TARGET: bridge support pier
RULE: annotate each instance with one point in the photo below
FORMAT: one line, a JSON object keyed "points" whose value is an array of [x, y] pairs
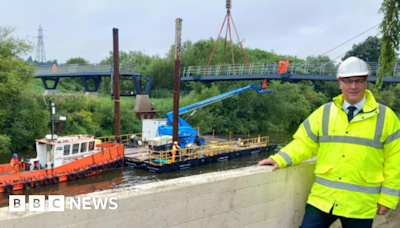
{"points": [[143, 107], [146, 115], [91, 94], [51, 92]]}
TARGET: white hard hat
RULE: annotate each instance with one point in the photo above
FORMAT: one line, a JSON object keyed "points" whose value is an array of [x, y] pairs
{"points": [[175, 142], [352, 67]]}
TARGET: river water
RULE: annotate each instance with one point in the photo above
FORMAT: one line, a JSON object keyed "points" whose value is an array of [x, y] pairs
{"points": [[123, 177]]}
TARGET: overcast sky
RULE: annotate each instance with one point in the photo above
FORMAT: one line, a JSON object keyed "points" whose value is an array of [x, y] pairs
{"points": [[83, 28]]}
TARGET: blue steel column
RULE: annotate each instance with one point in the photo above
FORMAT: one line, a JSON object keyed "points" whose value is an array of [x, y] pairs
{"points": [[138, 88], [44, 80], [85, 85], [96, 79], [148, 85]]}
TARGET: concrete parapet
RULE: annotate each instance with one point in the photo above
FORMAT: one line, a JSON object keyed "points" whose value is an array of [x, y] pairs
{"points": [[247, 197], [52, 92]]}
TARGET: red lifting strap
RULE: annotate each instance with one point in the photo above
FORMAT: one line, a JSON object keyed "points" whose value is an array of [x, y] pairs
{"points": [[229, 17]]}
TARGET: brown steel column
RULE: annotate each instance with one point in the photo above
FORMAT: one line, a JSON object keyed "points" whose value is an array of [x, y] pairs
{"points": [[178, 34], [117, 112]]}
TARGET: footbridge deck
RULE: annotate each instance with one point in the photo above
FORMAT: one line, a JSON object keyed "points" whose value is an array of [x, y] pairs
{"points": [[90, 74]]}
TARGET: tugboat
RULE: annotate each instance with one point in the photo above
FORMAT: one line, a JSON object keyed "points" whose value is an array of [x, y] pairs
{"points": [[61, 159]]}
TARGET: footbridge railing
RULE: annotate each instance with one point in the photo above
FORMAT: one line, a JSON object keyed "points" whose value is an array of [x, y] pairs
{"points": [[312, 68], [82, 68]]}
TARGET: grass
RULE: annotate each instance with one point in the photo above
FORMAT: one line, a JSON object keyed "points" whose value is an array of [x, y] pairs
{"points": [[36, 87]]}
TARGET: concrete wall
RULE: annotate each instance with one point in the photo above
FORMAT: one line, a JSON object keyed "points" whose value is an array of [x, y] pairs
{"points": [[246, 197]]}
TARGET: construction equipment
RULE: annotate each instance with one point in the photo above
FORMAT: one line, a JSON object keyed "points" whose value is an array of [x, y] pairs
{"points": [[135, 141], [186, 133]]}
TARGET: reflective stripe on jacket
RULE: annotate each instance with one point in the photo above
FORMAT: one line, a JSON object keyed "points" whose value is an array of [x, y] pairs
{"points": [[358, 163]]}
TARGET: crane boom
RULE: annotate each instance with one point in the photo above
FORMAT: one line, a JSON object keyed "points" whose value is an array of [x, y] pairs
{"points": [[186, 132], [217, 98]]}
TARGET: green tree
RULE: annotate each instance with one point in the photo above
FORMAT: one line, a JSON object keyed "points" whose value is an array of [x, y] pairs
{"points": [[15, 74], [21, 117], [368, 50], [77, 60], [135, 61], [75, 84], [87, 115], [390, 29], [36, 63]]}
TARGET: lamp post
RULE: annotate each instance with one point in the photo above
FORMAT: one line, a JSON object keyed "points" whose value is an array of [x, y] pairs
{"points": [[53, 112]]}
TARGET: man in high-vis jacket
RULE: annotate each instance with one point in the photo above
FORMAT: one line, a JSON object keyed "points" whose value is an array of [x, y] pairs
{"points": [[175, 147], [281, 67], [357, 144]]}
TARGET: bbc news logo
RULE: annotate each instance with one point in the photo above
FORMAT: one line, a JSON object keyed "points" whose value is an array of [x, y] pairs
{"points": [[57, 203]]}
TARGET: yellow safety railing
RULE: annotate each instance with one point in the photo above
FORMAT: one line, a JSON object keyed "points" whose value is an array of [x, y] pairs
{"points": [[124, 138], [209, 150]]}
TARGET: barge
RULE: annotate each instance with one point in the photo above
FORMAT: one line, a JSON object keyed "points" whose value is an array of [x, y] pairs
{"points": [[216, 150], [159, 156]]}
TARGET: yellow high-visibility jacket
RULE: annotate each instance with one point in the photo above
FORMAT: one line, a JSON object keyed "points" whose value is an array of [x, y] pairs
{"points": [[358, 163]]}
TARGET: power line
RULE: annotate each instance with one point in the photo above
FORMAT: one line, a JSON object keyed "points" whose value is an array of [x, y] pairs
{"points": [[350, 39], [365, 41], [342, 45]]}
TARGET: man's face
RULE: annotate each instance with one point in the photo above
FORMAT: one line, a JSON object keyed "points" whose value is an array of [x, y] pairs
{"points": [[353, 88]]}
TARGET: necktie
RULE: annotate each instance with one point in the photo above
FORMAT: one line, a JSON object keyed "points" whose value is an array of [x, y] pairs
{"points": [[350, 114]]}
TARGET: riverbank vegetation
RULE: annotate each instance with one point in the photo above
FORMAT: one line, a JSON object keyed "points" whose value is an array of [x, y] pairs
{"points": [[25, 113]]}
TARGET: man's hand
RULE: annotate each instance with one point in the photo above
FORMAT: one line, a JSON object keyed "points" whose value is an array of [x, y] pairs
{"points": [[269, 161], [382, 210]]}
